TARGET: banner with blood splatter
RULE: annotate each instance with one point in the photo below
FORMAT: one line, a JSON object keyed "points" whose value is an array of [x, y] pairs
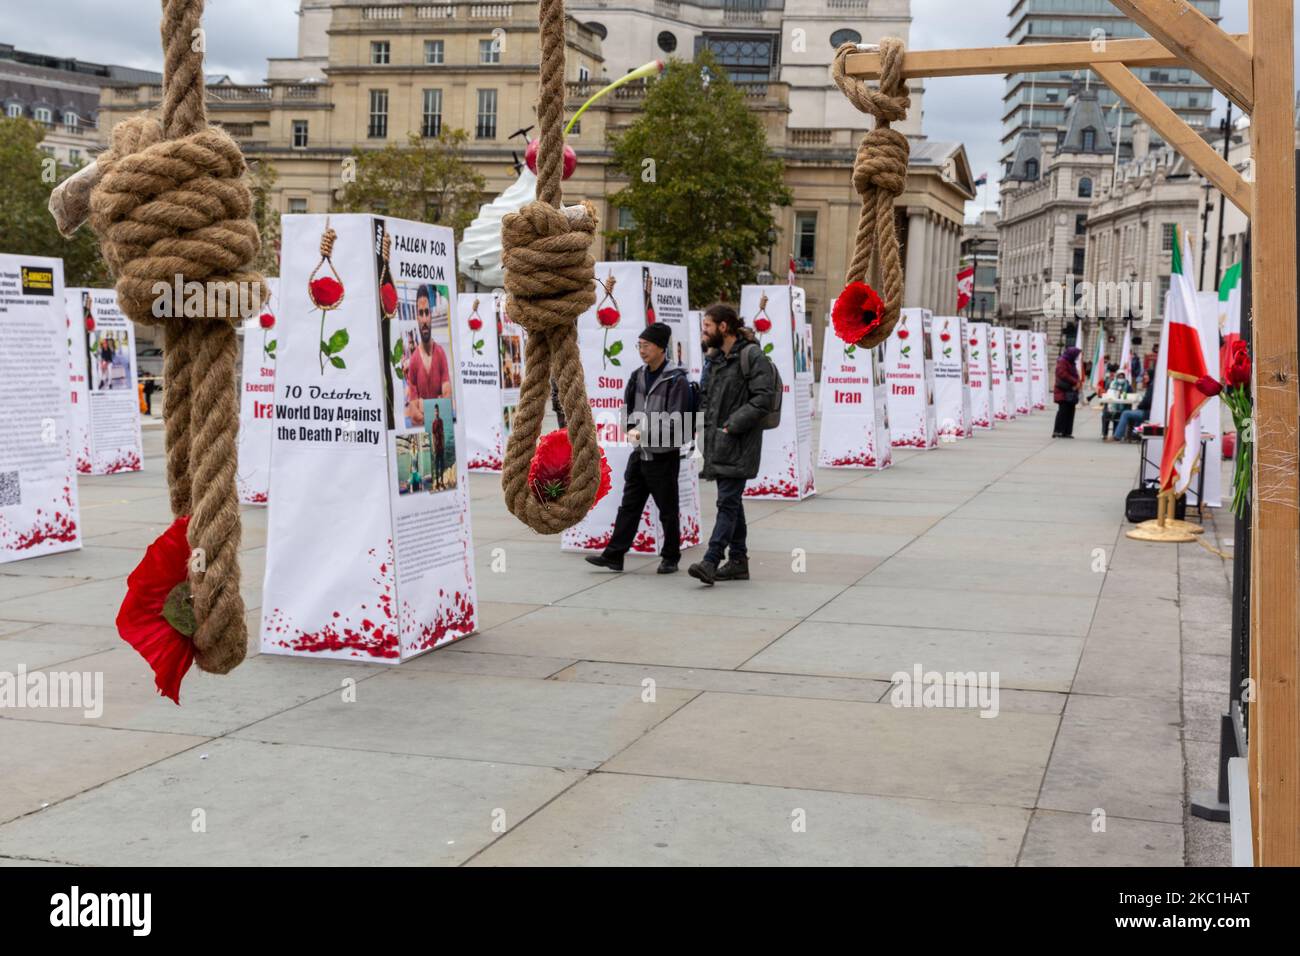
{"points": [[977, 363], [1038, 370], [1004, 408], [1020, 371], [39, 511], [770, 312], [950, 409], [963, 340], [257, 401], [369, 553], [106, 398], [630, 296], [474, 337], [909, 370], [854, 406]]}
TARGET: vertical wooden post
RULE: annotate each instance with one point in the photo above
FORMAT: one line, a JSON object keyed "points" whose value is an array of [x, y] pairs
{"points": [[1275, 538]]}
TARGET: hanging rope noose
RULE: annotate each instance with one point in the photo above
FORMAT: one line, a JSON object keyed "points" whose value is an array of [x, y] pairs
{"points": [[170, 205], [549, 282], [879, 176]]}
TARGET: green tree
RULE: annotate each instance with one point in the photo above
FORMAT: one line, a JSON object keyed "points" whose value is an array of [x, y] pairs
{"points": [[26, 226], [261, 182], [701, 181], [427, 180]]}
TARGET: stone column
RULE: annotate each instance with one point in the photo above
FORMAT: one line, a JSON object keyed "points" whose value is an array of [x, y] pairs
{"points": [[914, 267]]}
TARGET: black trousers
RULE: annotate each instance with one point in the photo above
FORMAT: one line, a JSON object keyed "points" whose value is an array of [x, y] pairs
{"points": [[1064, 418], [729, 530], [655, 478]]}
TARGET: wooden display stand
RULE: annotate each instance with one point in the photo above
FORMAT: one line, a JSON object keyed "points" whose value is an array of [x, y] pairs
{"points": [[1256, 71]]}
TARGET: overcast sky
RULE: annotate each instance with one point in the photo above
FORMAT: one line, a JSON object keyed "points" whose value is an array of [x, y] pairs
{"points": [[242, 34]]}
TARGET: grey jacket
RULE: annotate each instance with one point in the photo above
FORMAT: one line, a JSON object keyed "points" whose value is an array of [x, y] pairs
{"points": [[662, 412], [730, 400]]}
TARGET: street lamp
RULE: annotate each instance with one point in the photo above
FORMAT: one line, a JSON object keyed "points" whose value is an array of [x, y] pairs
{"points": [[474, 272]]}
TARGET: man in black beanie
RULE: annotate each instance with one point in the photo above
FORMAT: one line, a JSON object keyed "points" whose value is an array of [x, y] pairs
{"points": [[656, 404]]}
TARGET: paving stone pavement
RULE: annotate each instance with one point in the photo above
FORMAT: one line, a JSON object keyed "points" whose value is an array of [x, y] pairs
{"points": [[644, 720]]}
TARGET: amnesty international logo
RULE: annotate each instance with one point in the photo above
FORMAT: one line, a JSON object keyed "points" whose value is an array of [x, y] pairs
{"points": [[37, 281]]}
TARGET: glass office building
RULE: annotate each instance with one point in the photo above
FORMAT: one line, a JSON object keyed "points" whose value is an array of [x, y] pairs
{"points": [[1037, 100]]}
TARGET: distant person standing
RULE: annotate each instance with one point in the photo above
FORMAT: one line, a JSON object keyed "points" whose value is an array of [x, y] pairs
{"points": [[1066, 392], [439, 447]]}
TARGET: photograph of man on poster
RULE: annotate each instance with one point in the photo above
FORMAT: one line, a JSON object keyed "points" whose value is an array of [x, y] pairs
{"points": [[427, 372], [440, 429]]}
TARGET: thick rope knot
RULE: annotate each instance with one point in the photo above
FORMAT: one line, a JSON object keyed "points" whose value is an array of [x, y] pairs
{"points": [[548, 263], [176, 210], [879, 175]]}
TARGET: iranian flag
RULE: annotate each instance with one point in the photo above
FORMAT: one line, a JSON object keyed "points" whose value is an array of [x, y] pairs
{"points": [[1185, 367], [965, 287], [1099, 363], [1078, 344], [1229, 315], [1126, 353]]}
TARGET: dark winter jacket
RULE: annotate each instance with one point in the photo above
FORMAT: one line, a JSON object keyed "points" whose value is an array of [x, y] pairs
{"points": [[730, 401], [661, 413], [1067, 376]]}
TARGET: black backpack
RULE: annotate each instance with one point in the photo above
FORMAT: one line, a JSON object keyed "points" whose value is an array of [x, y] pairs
{"points": [[773, 417]]}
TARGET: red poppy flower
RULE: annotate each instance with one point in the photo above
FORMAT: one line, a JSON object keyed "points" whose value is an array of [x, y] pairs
{"points": [[266, 320], [1208, 386], [153, 596], [1239, 366], [608, 317], [90, 324], [762, 324], [857, 312], [548, 473], [325, 292]]}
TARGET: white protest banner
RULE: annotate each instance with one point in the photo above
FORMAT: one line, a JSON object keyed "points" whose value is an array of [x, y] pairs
{"points": [[629, 297], [803, 391], [1038, 370], [257, 401], [511, 342], [854, 399], [950, 399], [474, 341], [1020, 383], [39, 510], [369, 553], [909, 369], [981, 395], [1004, 408], [962, 337], [769, 312], [694, 346], [107, 403]]}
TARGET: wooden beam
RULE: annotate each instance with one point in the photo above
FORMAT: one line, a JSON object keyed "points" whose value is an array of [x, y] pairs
{"points": [[1177, 133], [1199, 41], [1275, 532], [1026, 58]]}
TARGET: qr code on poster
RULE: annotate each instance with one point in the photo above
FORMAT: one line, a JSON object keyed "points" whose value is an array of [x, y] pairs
{"points": [[10, 490]]}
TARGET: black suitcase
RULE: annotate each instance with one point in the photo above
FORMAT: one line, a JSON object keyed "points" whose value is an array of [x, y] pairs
{"points": [[1141, 505]]}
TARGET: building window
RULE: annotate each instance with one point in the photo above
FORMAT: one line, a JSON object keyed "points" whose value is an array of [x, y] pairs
{"points": [[431, 116], [1089, 139], [71, 122], [486, 127], [379, 52], [747, 58], [74, 155], [1031, 170], [1080, 224], [584, 74], [42, 114], [378, 115], [14, 110], [1168, 231], [299, 134], [1160, 299], [667, 41], [489, 51], [805, 241], [1085, 188], [840, 37], [297, 205], [433, 53], [1079, 261]]}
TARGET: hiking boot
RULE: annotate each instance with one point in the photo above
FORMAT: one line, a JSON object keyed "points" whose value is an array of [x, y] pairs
{"points": [[600, 561], [735, 569], [705, 571], [667, 567]]}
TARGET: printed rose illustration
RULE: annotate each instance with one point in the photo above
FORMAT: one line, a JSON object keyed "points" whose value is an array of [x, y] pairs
{"points": [[608, 316], [267, 321], [763, 324], [945, 337], [475, 324], [974, 352], [903, 334], [326, 293]]}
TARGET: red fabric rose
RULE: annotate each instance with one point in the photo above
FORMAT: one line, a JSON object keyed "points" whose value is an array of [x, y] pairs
{"points": [[857, 312], [1239, 365], [762, 324], [140, 620], [325, 292], [388, 298], [1208, 386], [266, 320], [548, 473], [607, 317], [475, 323]]}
